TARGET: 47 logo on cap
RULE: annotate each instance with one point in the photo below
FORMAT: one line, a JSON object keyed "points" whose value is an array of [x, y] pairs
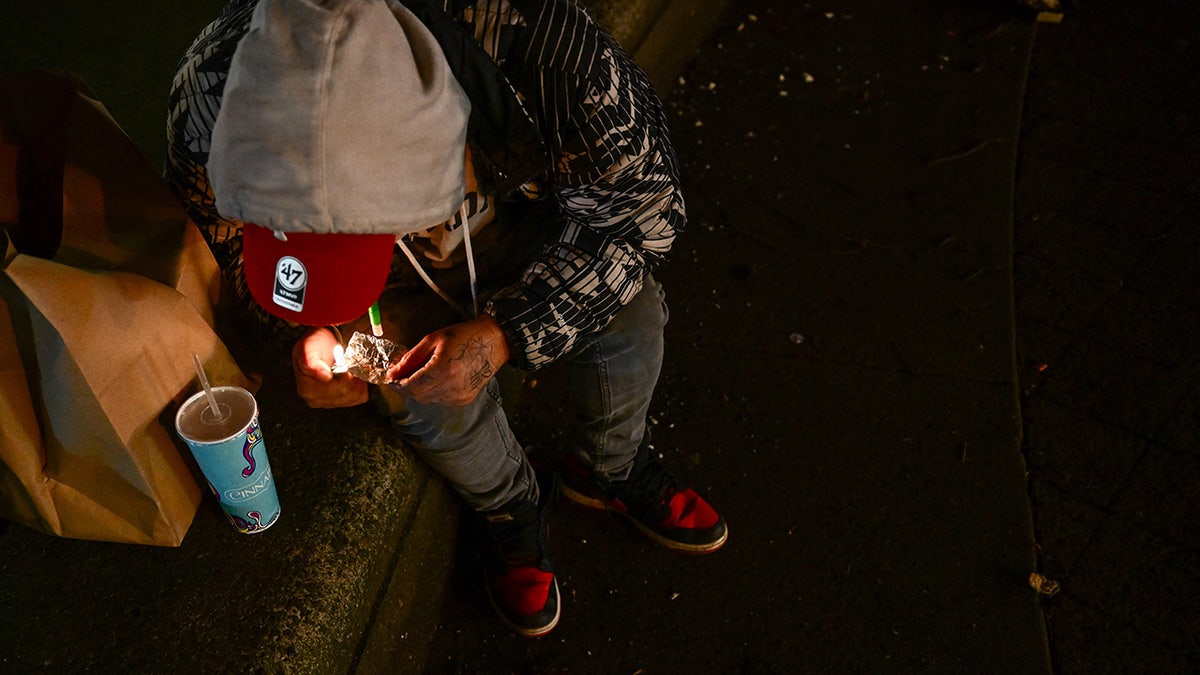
{"points": [[291, 278]]}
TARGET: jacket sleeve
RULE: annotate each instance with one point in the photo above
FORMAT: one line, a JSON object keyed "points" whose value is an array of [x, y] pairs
{"points": [[616, 183]]}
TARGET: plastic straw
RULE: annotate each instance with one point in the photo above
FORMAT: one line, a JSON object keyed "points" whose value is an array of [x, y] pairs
{"points": [[376, 320], [212, 399]]}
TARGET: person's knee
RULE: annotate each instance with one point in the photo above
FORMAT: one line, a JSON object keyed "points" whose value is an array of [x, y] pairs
{"points": [[446, 428]]}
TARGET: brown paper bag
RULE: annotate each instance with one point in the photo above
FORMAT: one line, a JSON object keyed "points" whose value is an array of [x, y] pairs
{"points": [[85, 196], [106, 290]]}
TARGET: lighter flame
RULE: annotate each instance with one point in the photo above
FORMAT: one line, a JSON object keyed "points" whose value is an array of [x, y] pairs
{"points": [[339, 359]]}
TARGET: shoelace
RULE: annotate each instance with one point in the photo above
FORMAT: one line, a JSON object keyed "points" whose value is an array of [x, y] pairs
{"points": [[520, 542], [648, 488]]}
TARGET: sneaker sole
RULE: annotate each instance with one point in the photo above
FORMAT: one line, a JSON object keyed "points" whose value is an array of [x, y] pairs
{"points": [[593, 503], [524, 630]]}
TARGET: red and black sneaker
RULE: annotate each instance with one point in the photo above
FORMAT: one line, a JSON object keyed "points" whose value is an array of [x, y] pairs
{"points": [[656, 502], [518, 575]]}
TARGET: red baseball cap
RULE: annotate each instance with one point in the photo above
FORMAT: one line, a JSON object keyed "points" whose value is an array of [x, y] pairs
{"points": [[316, 279]]}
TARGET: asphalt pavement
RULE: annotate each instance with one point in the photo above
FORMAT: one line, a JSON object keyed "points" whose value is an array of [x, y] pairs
{"points": [[1107, 267]]}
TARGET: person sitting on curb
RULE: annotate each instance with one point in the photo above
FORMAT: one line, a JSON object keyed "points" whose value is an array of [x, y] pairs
{"points": [[340, 153]]}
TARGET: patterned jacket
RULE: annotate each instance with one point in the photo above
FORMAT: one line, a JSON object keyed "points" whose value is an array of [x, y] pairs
{"points": [[555, 103]]}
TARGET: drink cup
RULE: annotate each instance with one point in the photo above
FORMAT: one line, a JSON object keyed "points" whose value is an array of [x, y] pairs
{"points": [[231, 453]]}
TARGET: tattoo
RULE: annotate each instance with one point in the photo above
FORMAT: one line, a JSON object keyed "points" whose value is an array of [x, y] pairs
{"points": [[476, 352]]}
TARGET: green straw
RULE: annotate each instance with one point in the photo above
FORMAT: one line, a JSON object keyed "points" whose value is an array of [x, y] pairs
{"points": [[376, 320]]}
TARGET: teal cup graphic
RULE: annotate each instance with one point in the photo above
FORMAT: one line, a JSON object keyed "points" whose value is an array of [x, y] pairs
{"points": [[231, 453]]}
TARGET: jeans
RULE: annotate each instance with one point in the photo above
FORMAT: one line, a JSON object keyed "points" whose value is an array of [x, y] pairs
{"points": [[612, 376]]}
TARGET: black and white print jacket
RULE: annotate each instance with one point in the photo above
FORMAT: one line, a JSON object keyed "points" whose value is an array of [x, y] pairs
{"points": [[555, 103]]}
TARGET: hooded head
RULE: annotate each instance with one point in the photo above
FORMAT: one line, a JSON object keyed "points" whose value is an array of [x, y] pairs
{"points": [[341, 127]]}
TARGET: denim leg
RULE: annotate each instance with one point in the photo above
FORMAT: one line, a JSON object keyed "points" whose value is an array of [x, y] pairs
{"points": [[471, 446], [612, 379]]}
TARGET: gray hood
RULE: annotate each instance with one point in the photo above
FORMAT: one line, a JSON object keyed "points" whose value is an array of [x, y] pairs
{"points": [[339, 116]]}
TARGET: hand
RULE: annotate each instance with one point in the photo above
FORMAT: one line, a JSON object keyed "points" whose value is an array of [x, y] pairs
{"points": [[452, 365], [312, 361]]}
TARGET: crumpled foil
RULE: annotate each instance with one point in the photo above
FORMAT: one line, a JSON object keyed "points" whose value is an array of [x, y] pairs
{"points": [[369, 357]]}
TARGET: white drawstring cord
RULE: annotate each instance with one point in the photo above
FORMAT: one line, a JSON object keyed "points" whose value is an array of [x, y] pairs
{"points": [[470, 269], [462, 214]]}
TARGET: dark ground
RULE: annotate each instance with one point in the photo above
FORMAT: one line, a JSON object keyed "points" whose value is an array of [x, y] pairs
{"points": [[1107, 261], [855, 544], [843, 379]]}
